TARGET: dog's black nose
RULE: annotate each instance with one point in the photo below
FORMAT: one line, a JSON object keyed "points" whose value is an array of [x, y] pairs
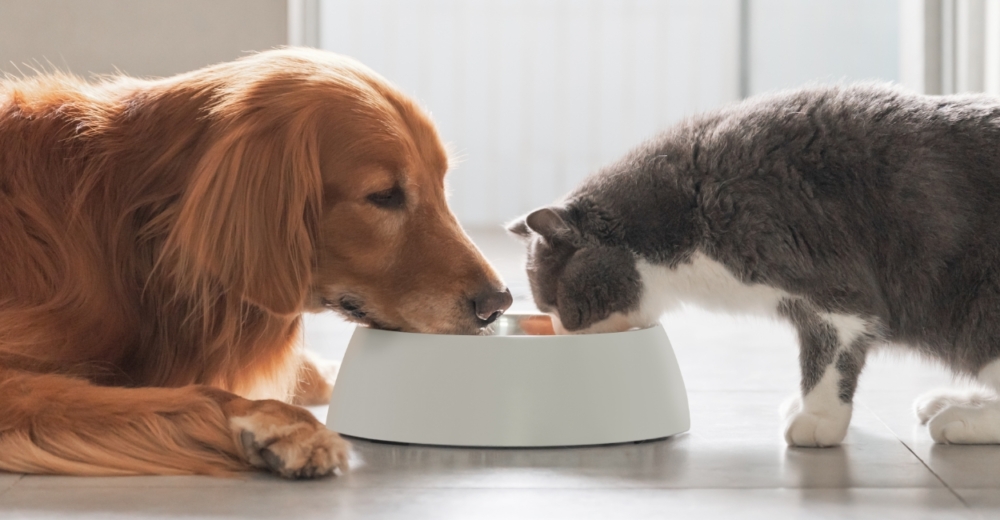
{"points": [[489, 305]]}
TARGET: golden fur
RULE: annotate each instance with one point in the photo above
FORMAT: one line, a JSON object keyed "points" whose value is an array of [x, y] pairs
{"points": [[159, 240]]}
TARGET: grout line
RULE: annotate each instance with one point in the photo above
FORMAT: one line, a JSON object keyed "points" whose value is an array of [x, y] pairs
{"points": [[918, 457]]}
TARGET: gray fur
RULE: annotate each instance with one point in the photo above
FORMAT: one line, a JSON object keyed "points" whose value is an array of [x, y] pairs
{"points": [[849, 365], [818, 343], [819, 347], [863, 200]]}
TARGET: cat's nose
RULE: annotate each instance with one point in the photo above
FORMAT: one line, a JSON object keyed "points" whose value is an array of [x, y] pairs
{"points": [[490, 304]]}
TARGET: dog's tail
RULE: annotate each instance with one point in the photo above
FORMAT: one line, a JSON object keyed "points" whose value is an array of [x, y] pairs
{"points": [[58, 424]]}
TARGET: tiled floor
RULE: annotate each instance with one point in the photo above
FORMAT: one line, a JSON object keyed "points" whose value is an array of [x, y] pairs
{"points": [[732, 464]]}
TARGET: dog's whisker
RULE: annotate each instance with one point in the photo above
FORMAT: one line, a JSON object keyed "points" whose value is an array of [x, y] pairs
{"points": [[488, 330]]}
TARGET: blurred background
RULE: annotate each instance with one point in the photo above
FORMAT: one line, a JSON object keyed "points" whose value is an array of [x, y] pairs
{"points": [[533, 95]]}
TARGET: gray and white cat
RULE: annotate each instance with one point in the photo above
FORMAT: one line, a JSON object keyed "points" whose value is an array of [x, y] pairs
{"points": [[864, 215]]}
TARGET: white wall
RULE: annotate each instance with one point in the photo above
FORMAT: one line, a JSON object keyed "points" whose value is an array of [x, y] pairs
{"points": [[535, 94], [532, 94], [793, 42], [139, 37]]}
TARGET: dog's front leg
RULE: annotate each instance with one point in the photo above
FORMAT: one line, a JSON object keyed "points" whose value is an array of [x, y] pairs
{"points": [[57, 424], [281, 438]]}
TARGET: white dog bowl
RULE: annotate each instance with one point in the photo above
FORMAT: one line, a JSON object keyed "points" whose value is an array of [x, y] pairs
{"points": [[509, 389]]}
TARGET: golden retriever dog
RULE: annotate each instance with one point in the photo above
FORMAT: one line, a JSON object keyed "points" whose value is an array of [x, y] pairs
{"points": [[160, 240]]}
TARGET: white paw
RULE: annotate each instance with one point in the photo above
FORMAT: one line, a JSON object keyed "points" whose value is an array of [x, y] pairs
{"points": [[288, 441], [815, 427], [931, 403], [977, 423]]}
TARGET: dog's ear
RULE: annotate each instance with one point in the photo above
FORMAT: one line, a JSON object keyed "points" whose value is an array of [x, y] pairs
{"points": [[248, 219]]}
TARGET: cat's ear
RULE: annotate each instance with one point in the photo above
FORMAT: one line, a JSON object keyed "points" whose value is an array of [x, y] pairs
{"points": [[519, 228], [549, 222]]}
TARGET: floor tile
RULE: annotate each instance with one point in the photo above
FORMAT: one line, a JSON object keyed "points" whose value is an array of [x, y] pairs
{"points": [[7, 480], [61, 482], [677, 463], [306, 500], [734, 442], [984, 501], [890, 384]]}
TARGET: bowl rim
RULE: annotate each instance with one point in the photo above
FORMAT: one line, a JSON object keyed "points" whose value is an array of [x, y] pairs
{"points": [[539, 337]]}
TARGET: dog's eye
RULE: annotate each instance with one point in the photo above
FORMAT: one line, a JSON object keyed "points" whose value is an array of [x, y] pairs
{"points": [[392, 198]]}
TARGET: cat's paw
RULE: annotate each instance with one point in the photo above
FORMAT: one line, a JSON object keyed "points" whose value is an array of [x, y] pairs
{"points": [[931, 403], [815, 427], [969, 423]]}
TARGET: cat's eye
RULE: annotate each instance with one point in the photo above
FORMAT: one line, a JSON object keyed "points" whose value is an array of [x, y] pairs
{"points": [[392, 198]]}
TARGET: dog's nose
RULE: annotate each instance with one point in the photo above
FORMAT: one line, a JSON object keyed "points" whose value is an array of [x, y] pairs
{"points": [[489, 305]]}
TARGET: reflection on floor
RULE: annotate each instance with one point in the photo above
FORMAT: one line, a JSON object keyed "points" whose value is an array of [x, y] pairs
{"points": [[732, 464]]}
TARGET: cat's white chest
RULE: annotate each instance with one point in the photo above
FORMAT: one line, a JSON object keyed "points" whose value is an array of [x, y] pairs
{"points": [[705, 283]]}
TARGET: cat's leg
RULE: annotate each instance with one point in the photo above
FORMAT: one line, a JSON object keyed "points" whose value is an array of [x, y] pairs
{"points": [[832, 349], [930, 404], [965, 417]]}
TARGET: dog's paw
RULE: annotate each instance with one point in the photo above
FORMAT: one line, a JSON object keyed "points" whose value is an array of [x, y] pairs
{"points": [[931, 403], [289, 441], [966, 423], [815, 428]]}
